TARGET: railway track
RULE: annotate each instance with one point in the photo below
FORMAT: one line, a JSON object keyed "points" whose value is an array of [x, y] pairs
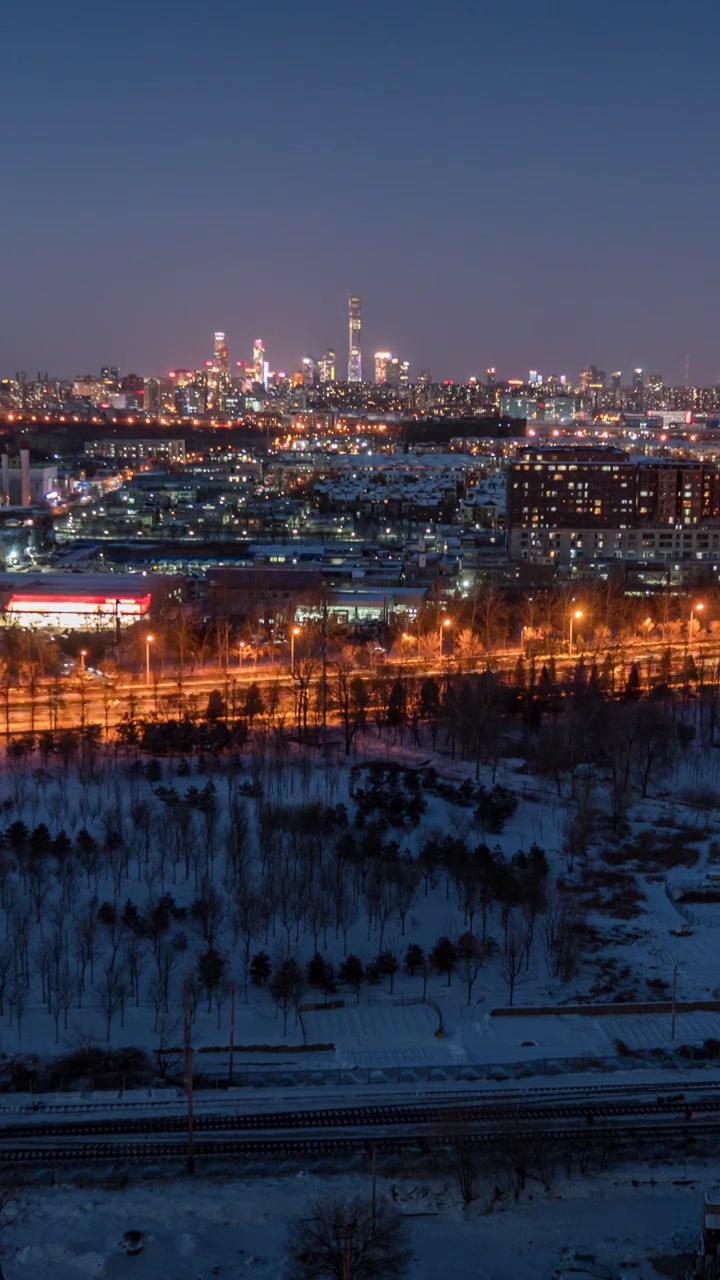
{"points": [[579, 1116], [309, 1148], [463, 1112]]}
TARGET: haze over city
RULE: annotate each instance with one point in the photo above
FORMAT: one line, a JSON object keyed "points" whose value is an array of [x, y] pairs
{"points": [[519, 185]]}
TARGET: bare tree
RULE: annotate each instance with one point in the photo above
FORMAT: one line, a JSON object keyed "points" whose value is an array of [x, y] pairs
{"points": [[562, 935], [286, 985], [465, 1169], [6, 965], [248, 918], [511, 960], [134, 956], [66, 991], [350, 696], [110, 995], [12, 1210], [470, 958], [348, 1239], [654, 741], [237, 839], [86, 930], [54, 1003], [317, 913], [167, 1051], [156, 995], [40, 883], [208, 912], [406, 879], [17, 1000]]}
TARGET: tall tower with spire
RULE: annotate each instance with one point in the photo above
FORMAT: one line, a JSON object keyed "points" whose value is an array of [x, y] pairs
{"points": [[354, 356]]}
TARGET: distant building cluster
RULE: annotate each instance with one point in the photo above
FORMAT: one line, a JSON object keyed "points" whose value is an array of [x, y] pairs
{"points": [[223, 390], [237, 481]]}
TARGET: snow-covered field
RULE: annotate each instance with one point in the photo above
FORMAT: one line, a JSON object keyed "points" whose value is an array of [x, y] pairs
{"points": [[282, 870], [266, 855], [625, 1219]]}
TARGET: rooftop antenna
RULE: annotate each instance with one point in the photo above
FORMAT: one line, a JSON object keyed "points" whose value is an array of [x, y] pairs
{"points": [[687, 371]]}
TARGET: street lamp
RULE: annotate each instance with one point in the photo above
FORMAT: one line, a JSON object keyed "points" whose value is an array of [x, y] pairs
{"points": [[148, 642], [83, 656], [695, 609], [577, 614], [445, 623], [295, 632]]}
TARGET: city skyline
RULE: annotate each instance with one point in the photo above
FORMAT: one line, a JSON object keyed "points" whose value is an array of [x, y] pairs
{"points": [[510, 191], [217, 348]]}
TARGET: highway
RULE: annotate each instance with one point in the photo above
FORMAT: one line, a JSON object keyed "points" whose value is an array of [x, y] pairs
{"points": [[77, 700]]}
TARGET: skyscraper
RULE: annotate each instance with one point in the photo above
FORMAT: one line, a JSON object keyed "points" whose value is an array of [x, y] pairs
{"points": [[354, 355], [310, 371], [592, 378], [327, 366], [222, 355], [381, 365], [258, 361], [394, 372]]}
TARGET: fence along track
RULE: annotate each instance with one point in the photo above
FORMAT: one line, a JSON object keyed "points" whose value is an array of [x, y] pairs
{"points": [[524, 1092]]}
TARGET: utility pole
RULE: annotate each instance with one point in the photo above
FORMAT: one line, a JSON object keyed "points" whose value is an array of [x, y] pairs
{"points": [[188, 1054], [324, 672], [347, 1253], [373, 1218], [232, 1032], [674, 995]]}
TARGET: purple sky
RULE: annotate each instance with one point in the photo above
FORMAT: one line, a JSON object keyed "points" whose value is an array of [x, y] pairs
{"points": [[529, 185]]}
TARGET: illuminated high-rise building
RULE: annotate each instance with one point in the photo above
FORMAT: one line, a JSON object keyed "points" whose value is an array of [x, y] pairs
{"points": [[310, 371], [616, 380], [354, 354], [424, 378], [151, 395], [189, 391], [222, 355], [491, 376], [592, 379], [638, 380], [217, 377], [327, 366], [258, 361], [397, 372], [382, 359]]}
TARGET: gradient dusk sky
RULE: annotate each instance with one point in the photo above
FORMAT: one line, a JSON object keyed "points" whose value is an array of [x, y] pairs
{"points": [[528, 185]]}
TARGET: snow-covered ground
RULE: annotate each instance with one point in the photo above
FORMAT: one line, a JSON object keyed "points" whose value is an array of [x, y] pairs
{"points": [[198, 1230], [384, 1043], [634, 952]]}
